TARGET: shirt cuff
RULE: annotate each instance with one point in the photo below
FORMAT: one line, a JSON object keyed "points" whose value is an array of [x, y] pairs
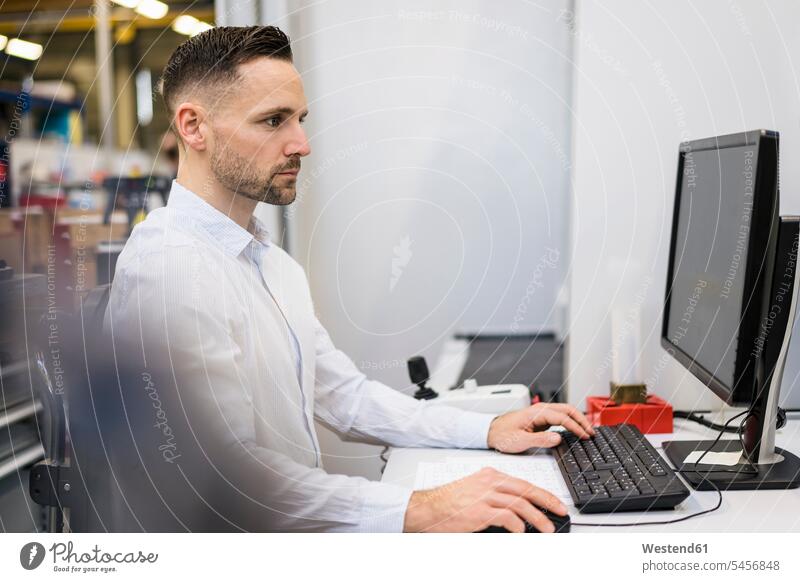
{"points": [[384, 507], [470, 430]]}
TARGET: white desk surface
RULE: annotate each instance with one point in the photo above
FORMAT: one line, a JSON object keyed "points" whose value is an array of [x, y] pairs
{"points": [[741, 511]]}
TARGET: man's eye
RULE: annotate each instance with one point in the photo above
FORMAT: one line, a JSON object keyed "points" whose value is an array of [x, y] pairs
{"points": [[274, 121]]}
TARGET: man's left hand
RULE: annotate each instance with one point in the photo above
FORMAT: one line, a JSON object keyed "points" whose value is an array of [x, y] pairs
{"points": [[520, 430]]}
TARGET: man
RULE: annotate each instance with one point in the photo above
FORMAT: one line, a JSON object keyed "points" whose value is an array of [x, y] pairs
{"points": [[234, 311]]}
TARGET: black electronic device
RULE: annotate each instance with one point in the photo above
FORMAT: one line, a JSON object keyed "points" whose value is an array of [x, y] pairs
{"points": [[730, 301], [560, 522], [617, 470], [419, 374]]}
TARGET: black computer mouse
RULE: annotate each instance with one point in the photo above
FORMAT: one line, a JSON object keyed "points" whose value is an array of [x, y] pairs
{"points": [[561, 523]]}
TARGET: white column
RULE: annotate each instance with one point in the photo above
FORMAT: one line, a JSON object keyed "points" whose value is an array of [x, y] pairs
{"points": [[105, 73]]}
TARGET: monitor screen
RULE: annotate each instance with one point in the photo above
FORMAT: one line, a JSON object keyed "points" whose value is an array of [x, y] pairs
{"points": [[712, 234]]}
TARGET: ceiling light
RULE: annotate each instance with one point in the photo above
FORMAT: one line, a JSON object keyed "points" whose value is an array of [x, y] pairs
{"points": [[185, 24], [152, 9], [189, 25], [3, 41], [24, 49]]}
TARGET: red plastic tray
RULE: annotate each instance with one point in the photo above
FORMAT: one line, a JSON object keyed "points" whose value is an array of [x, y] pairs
{"points": [[654, 416]]}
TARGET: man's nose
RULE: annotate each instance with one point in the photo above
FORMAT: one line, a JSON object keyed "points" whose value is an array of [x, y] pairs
{"points": [[298, 145]]}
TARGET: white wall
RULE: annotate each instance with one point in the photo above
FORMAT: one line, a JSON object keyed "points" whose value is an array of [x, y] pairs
{"points": [[647, 75], [439, 175]]}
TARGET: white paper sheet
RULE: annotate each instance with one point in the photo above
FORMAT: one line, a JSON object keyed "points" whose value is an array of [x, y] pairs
{"points": [[541, 470], [715, 458]]}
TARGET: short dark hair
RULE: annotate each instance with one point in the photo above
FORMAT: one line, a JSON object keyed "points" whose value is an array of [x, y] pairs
{"points": [[214, 55]]}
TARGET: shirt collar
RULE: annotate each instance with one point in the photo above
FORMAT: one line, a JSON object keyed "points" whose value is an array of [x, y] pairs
{"points": [[233, 238]]}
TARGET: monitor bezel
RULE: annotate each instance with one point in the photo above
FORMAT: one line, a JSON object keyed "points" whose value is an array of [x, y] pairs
{"points": [[761, 244]]}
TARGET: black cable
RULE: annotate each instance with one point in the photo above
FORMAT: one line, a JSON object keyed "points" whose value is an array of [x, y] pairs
{"points": [[723, 429], [383, 458], [754, 470], [697, 416], [700, 419]]}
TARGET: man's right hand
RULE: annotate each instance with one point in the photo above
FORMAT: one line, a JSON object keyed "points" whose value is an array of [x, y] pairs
{"points": [[485, 498]]}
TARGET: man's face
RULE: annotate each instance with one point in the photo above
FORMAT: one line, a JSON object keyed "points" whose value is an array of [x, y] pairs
{"points": [[257, 138]]}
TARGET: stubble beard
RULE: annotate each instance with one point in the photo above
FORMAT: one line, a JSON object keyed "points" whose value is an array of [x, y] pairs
{"points": [[241, 176]]}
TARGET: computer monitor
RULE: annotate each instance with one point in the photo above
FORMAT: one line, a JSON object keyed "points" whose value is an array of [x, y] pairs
{"points": [[730, 301]]}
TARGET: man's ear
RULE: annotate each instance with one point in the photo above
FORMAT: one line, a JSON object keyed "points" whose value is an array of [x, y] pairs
{"points": [[190, 124]]}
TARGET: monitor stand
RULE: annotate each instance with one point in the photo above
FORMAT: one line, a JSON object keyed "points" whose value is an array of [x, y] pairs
{"points": [[782, 471], [777, 468]]}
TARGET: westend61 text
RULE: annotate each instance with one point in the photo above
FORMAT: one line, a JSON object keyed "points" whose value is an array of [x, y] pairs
{"points": [[674, 549]]}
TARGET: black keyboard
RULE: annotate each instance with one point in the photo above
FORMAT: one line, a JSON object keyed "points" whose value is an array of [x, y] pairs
{"points": [[617, 470]]}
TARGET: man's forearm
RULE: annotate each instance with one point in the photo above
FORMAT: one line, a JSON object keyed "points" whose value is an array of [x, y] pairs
{"points": [[395, 419]]}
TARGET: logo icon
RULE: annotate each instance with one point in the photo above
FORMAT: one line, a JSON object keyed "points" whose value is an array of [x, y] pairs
{"points": [[31, 555]]}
